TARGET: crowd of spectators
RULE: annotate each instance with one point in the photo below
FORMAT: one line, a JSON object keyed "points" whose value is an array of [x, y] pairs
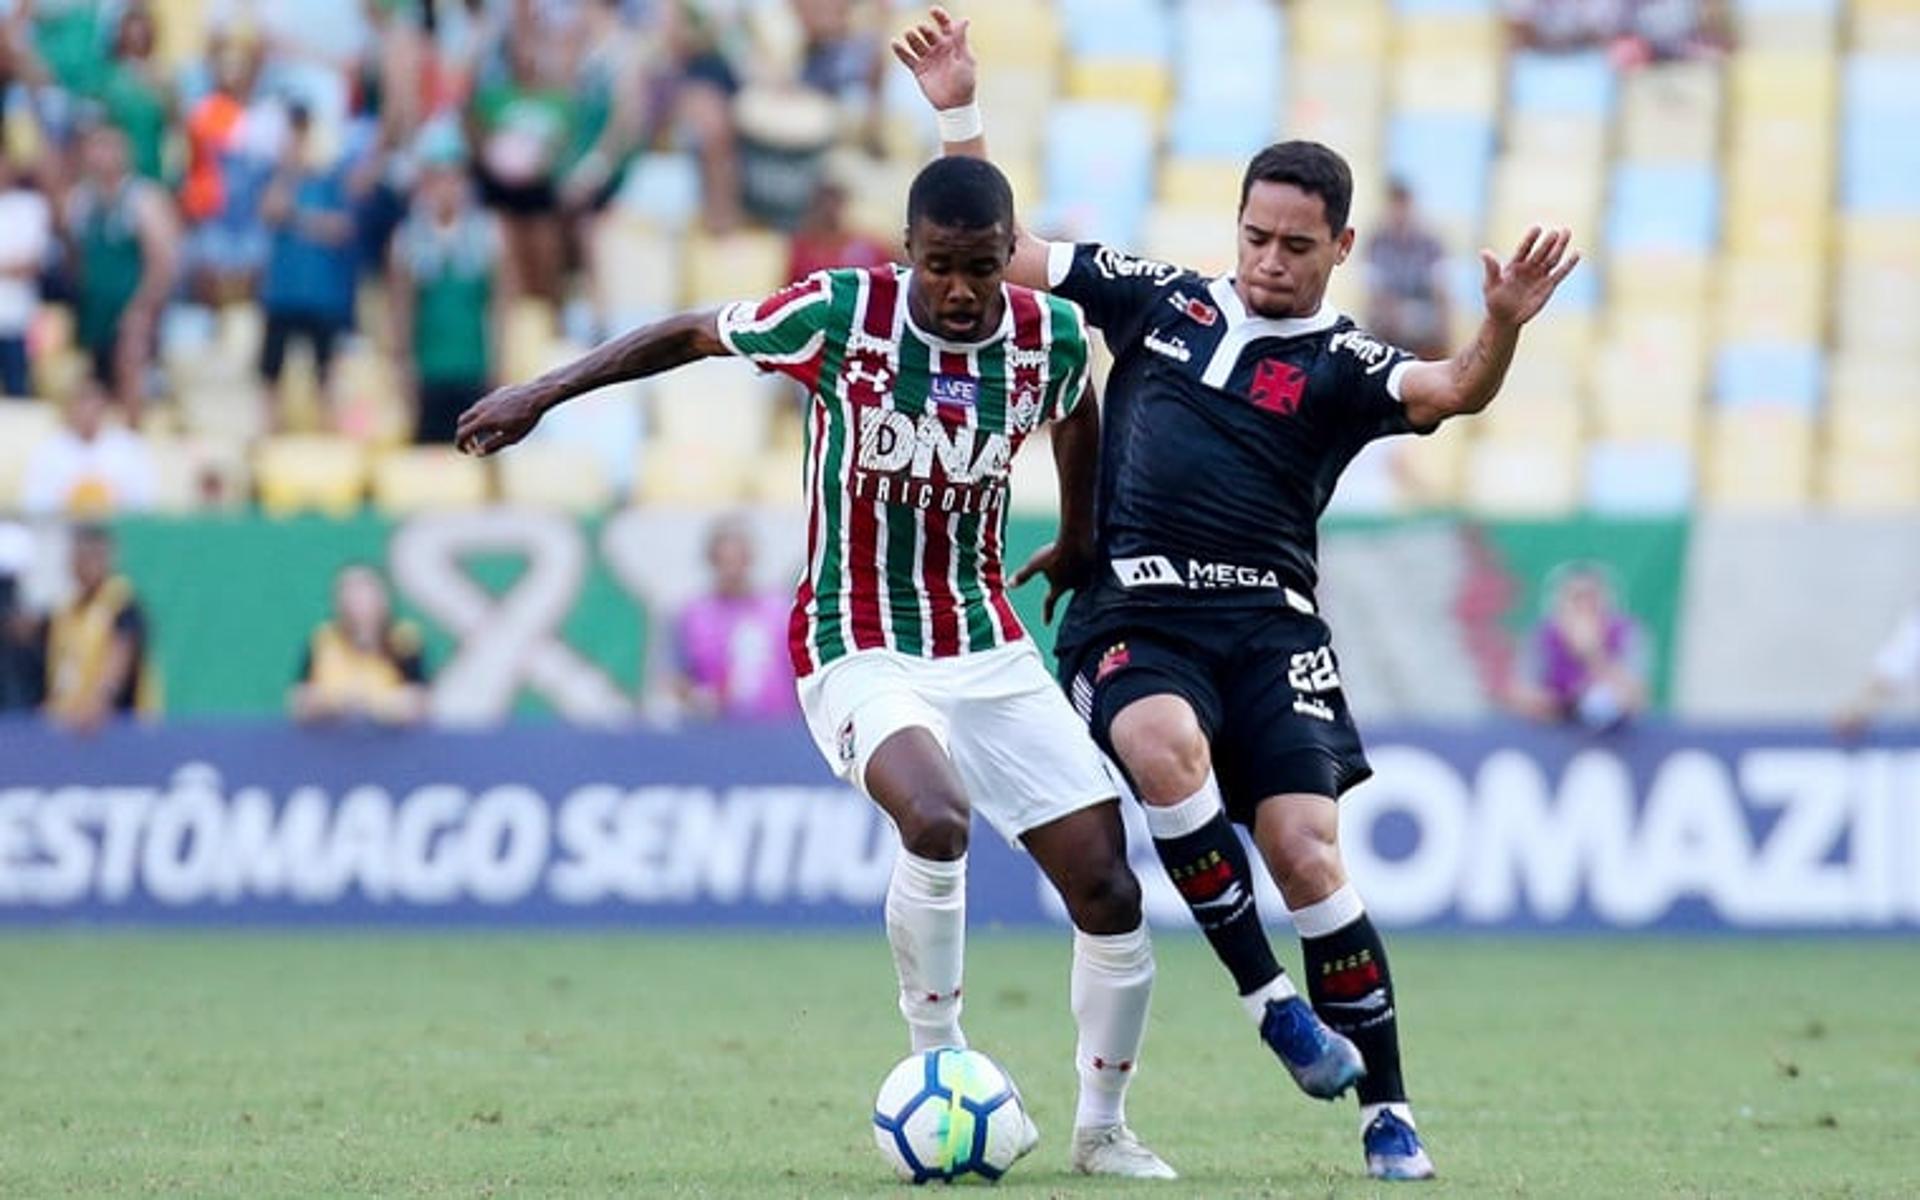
{"points": [[1633, 31], [389, 173]]}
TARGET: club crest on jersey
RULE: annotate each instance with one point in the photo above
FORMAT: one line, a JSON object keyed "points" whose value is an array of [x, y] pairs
{"points": [[955, 391], [1199, 312], [1115, 658], [847, 751], [1278, 387], [1025, 407]]}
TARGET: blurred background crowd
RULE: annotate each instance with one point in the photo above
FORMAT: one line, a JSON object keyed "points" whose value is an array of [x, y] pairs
{"points": [[257, 255]]}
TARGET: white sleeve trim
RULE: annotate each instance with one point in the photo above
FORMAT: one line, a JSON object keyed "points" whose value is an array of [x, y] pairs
{"points": [[1059, 262], [725, 324], [1396, 376]]}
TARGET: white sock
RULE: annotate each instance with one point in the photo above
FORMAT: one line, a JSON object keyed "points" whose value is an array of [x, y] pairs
{"points": [[927, 928], [1399, 1108], [1112, 988], [1166, 821], [1331, 915], [1255, 1002]]}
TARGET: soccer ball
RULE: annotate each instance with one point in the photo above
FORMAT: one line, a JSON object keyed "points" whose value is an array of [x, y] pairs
{"points": [[949, 1114]]}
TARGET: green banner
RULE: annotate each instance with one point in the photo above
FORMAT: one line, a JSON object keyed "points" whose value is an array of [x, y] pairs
{"points": [[532, 614]]}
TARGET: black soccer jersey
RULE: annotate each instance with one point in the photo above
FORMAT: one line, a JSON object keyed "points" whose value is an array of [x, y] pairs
{"points": [[1224, 432]]}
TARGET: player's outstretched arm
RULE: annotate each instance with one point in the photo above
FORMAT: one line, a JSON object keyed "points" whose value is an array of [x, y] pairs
{"points": [[508, 414], [1515, 292], [942, 63]]}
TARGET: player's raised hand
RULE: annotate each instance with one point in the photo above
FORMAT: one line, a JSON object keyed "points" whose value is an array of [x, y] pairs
{"points": [[1067, 569], [502, 418], [1517, 290], [937, 53]]}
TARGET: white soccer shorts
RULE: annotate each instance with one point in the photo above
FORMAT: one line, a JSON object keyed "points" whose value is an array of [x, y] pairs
{"points": [[1022, 753]]}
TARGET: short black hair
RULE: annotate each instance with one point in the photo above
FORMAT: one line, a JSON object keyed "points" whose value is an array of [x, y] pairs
{"points": [[964, 193], [1312, 168]]}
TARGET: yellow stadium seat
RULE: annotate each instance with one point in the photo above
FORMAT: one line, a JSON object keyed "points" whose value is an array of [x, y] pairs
{"points": [[722, 403], [1344, 29], [1639, 283], [1200, 182], [1770, 299], [1516, 477], [180, 29], [551, 475], [1755, 227], [23, 424], [1431, 468], [531, 326], [1339, 102], [1670, 113], [1759, 459], [1550, 140], [777, 476], [1784, 29], [198, 472], [1885, 26], [1446, 35], [310, 472], [1894, 240], [1856, 379], [428, 479], [702, 476], [1544, 407], [1877, 309], [1800, 84], [639, 266], [367, 404], [736, 266], [1016, 93], [1198, 237], [1017, 35], [1872, 458], [1145, 85], [1447, 83], [1527, 193]]}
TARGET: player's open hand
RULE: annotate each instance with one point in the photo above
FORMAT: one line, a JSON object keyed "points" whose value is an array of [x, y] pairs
{"points": [[1067, 568], [937, 53], [502, 418], [1516, 291]]}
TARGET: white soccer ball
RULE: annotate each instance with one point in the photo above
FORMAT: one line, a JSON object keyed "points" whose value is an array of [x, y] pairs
{"points": [[949, 1114]]}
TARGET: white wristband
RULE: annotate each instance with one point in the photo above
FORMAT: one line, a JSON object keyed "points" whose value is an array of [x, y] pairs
{"points": [[961, 124]]}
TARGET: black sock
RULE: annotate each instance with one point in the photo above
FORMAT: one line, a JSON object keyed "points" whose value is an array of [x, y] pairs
{"points": [[1352, 991], [1209, 867]]}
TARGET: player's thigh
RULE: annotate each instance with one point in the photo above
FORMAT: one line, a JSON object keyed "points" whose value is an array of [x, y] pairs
{"points": [[855, 705], [1023, 754], [1288, 730], [1131, 672]]}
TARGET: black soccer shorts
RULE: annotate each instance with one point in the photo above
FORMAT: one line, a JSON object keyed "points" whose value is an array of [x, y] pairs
{"points": [[1264, 684]]}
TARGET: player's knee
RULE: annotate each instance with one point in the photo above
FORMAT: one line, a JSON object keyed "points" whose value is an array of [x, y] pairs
{"points": [[1106, 901], [1306, 862], [1163, 749], [934, 824]]}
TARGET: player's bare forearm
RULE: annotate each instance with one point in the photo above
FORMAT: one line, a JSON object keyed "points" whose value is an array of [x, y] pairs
{"points": [[509, 414], [1480, 368], [648, 350], [1076, 456]]}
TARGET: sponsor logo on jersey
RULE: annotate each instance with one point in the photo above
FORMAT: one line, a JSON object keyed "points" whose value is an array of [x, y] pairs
{"points": [[1197, 311], [869, 372], [1376, 354], [899, 457], [1115, 265], [1115, 658], [958, 391], [1157, 570], [1152, 570], [1020, 359], [1208, 576], [1278, 387], [1172, 348]]}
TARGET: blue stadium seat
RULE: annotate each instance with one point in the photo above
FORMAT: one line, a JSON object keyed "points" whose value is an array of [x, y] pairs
{"points": [[1446, 158], [1663, 208], [1629, 479], [1099, 171], [1577, 85], [1231, 70], [1774, 374], [1134, 29], [1880, 169]]}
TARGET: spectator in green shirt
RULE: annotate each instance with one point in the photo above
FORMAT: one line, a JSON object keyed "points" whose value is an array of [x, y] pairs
{"points": [[451, 284]]}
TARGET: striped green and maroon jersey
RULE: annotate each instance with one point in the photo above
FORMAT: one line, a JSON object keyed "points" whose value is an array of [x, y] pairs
{"points": [[909, 438]]}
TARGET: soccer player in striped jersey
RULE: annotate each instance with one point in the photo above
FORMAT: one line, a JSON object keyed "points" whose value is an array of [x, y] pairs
{"points": [[1192, 643], [917, 680]]}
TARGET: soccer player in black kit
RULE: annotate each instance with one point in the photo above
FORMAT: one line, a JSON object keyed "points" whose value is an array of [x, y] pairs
{"points": [[1192, 644]]}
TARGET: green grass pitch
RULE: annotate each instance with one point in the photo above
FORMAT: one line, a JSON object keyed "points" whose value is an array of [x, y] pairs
{"points": [[255, 1065]]}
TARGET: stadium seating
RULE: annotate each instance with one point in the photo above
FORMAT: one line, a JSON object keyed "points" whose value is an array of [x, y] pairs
{"points": [[310, 473], [23, 423], [428, 479], [555, 475]]}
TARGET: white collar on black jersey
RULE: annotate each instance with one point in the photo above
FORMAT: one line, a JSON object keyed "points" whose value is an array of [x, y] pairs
{"points": [[1003, 332], [1228, 298]]}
